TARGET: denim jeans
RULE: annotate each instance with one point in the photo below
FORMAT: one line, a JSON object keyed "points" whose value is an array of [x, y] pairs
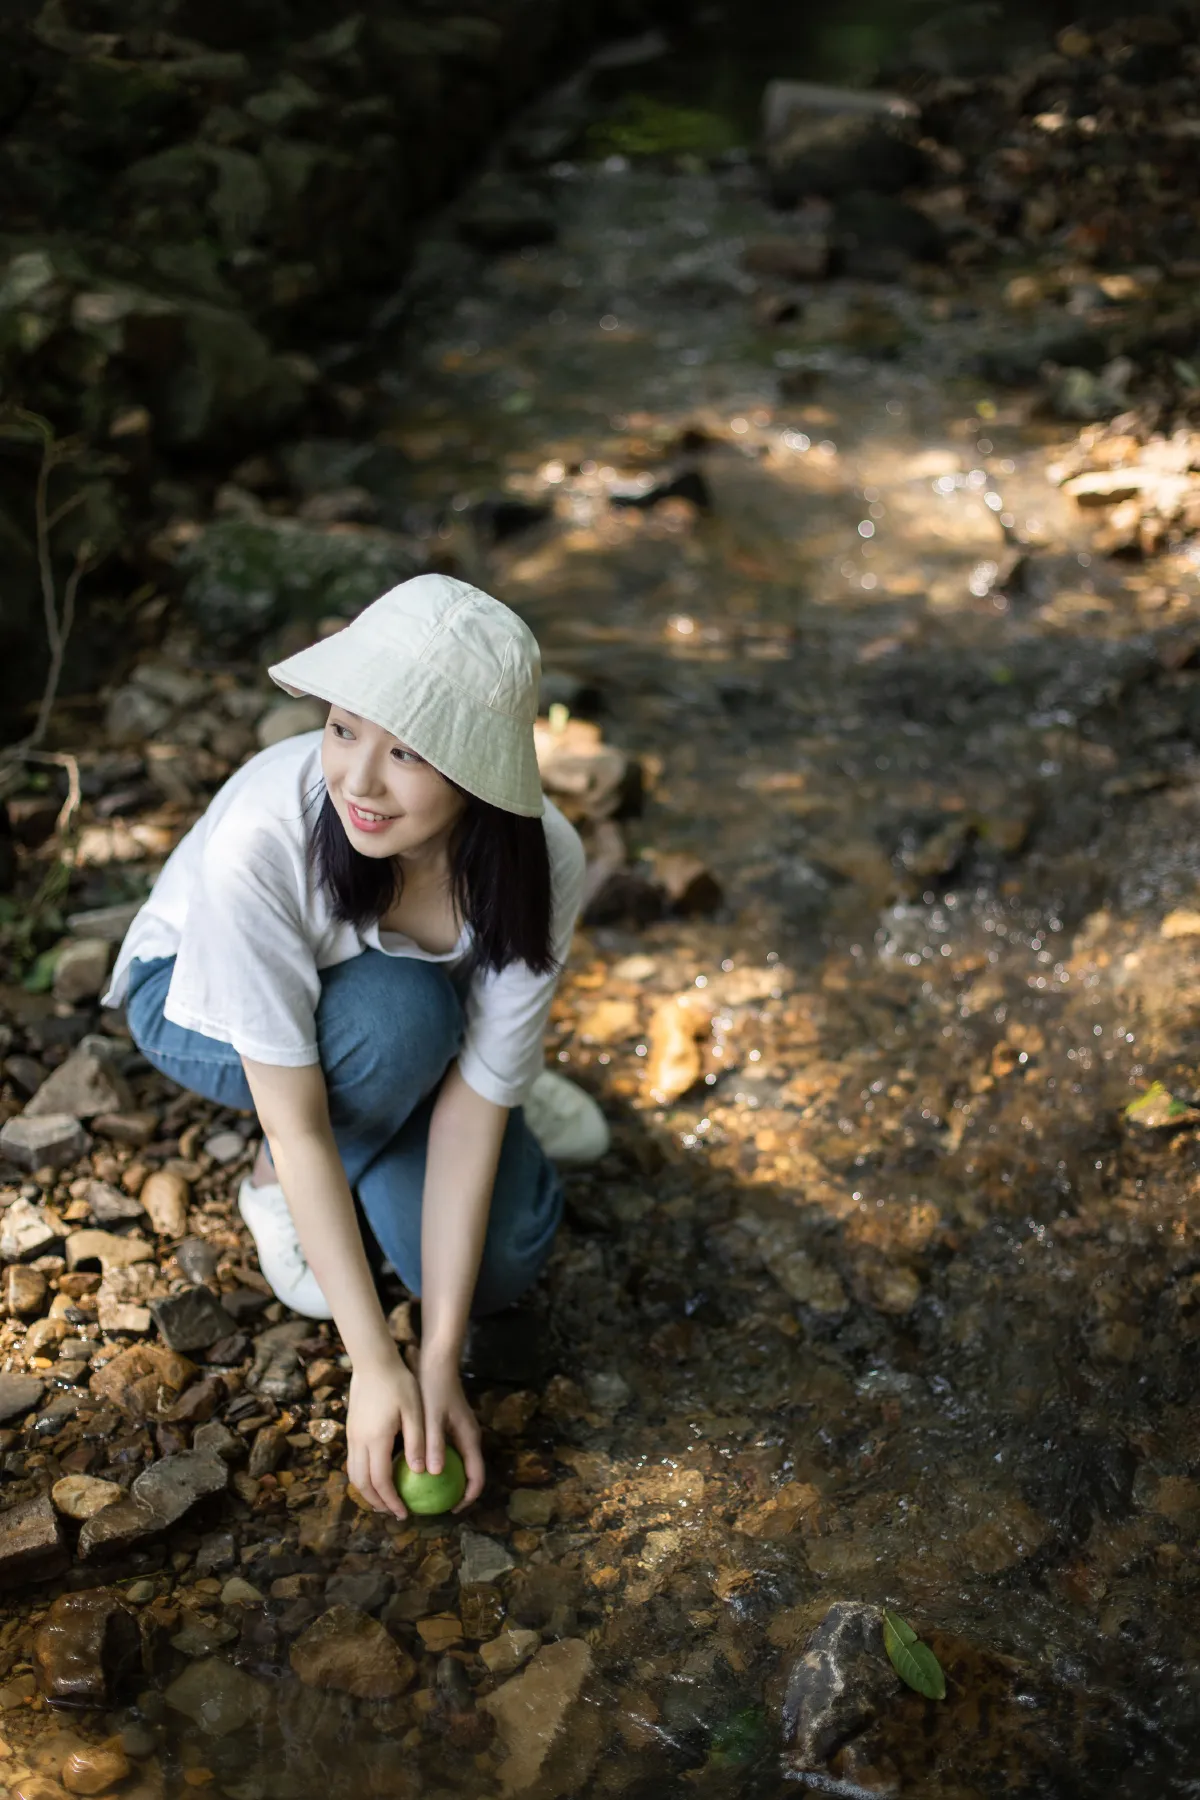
{"points": [[388, 1028]]}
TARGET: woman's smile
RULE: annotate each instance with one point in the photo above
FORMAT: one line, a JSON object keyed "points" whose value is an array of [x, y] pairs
{"points": [[364, 820]]}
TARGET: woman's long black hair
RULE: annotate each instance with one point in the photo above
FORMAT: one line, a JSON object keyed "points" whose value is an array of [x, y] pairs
{"points": [[499, 881]]}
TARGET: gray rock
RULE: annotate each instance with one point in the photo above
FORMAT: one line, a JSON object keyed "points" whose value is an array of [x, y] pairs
{"points": [[89, 1082], [217, 1553], [25, 1231], [32, 1546], [835, 141], [217, 1697], [111, 1206], [107, 922], [45, 1140], [366, 1591], [160, 1495], [225, 1146], [215, 1439], [196, 1259], [483, 1559], [277, 1373], [192, 1320], [81, 970], [607, 1389], [838, 1686], [290, 718], [19, 1394]]}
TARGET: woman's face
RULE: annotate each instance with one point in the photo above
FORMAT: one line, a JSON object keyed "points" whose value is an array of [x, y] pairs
{"points": [[390, 801]]}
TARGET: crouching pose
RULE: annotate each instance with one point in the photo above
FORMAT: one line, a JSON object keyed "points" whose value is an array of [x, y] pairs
{"points": [[360, 940]]}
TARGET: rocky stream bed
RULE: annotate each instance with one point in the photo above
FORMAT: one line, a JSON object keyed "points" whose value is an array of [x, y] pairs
{"points": [[850, 480]]}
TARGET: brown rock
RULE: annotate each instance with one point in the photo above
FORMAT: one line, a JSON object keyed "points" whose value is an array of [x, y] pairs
{"points": [[107, 1249], [353, 1653], [25, 1291], [482, 1611], [31, 1542], [531, 1710], [92, 1770], [689, 884], [673, 1061], [144, 1381], [440, 1633], [165, 1196], [505, 1654], [159, 1496], [79, 1496]]}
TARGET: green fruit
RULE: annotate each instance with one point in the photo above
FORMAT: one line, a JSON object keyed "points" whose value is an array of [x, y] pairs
{"points": [[426, 1493]]}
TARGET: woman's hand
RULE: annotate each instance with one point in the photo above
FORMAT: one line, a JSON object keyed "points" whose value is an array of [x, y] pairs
{"points": [[385, 1403], [447, 1415]]}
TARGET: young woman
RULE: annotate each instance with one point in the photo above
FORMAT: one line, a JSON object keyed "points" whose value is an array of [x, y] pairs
{"points": [[360, 940]]}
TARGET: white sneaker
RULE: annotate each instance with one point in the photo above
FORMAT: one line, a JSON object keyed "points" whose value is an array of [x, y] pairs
{"points": [[280, 1257], [566, 1122]]}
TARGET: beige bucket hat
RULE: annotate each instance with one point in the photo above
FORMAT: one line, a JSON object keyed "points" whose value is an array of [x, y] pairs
{"points": [[448, 670]]}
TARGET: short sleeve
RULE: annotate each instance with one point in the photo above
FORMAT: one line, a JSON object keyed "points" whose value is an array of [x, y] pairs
{"points": [[245, 972], [506, 1012]]}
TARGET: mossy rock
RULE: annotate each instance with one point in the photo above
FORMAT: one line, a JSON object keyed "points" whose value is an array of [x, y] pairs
{"points": [[247, 576], [644, 127]]}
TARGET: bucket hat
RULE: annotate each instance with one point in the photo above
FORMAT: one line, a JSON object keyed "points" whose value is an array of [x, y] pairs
{"points": [[447, 669]]}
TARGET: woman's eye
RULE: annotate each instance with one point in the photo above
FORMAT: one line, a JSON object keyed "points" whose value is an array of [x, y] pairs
{"points": [[408, 756], [340, 731]]}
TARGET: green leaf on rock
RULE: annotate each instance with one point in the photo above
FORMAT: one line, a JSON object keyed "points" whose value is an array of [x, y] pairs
{"points": [[913, 1661], [1157, 1107]]}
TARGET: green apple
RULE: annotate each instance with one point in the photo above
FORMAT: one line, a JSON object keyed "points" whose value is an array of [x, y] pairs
{"points": [[426, 1493]]}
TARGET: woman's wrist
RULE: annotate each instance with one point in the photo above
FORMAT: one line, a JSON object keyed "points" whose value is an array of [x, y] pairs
{"points": [[442, 1348]]}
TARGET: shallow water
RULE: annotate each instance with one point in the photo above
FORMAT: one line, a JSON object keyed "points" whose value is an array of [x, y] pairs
{"points": [[902, 1310]]}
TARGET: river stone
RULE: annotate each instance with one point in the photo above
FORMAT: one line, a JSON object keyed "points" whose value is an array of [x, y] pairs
{"points": [[838, 1686], [277, 1373], [81, 970], [111, 1205], [217, 1697], [95, 1768], [197, 1260], [47, 1140], [107, 922], [217, 1551], [25, 1291], [505, 1654], [107, 1248], [483, 1559], [348, 1650], [88, 1083], [19, 1394], [87, 1651], [191, 1320], [143, 1381], [32, 1547], [25, 1231], [531, 1710], [165, 1196], [79, 1496], [159, 1496], [364, 1591]]}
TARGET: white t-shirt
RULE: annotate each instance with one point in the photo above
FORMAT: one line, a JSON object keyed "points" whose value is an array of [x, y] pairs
{"points": [[250, 929]]}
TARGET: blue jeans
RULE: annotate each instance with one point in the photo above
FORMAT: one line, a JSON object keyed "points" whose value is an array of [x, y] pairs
{"points": [[388, 1028]]}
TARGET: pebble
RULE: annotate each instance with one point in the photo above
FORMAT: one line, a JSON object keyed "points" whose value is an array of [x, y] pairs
{"points": [[505, 1654], [197, 1260], [192, 1320], [531, 1507], [217, 1696], [607, 1389], [238, 1592], [93, 1770], [88, 1648], [109, 1206], [140, 1591], [25, 1291], [19, 1394], [483, 1558], [81, 973], [87, 1083], [25, 1231], [165, 1196], [326, 1431], [31, 1541], [225, 1146], [107, 1248], [79, 1496]]}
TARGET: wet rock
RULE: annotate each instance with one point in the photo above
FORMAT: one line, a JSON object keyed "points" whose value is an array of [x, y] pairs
{"points": [[217, 1697], [19, 1394], [839, 1686], [47, 1141], [26, 1231], [505, 1654], [110, 1206], [217, 1550], [81, 970], [691, 888], [95, 1768], [159, 1496], [25, 1291], [79, 1496], [801, 258], [607, 1389], [237, 1592], [363, 1592], [89, 1082], [277, 1373], [440, 1633], [165, 1196], [88, 1649], [531, 1507], [780, 1244], [483, 1558], [833, 141], [531, 1710], [197, 1403], [197, 1260], [499, 220], [673, 1062], [32, 1547], [216, 1439], [106, 1250], [354, 1654], [144, 1381], [191, 1320]]}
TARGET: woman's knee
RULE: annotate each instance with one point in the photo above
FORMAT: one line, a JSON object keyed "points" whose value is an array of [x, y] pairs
{"points": [[386, 1025]]}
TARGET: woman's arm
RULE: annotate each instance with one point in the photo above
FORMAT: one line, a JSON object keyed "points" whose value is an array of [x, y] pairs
{"points": [[293, 1108], [465, 1134]]}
